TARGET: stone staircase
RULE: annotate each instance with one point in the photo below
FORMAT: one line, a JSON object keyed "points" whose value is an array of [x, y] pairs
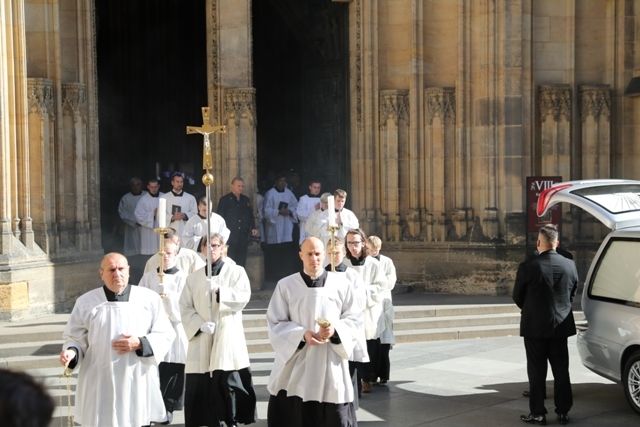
{"points": [[34, 345]]}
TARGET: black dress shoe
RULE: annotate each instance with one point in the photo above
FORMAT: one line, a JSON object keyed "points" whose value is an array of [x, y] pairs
{"points": [[534, 419], [563, 419]]}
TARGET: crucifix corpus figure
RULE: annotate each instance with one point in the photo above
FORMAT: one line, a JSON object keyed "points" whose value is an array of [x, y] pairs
{"points": [[207, 164]]}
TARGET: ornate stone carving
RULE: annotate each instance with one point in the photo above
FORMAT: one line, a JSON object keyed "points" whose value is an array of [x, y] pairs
{"points": [[595, 100], [555, 100], [40, 96], [74, 98], [441, 102], [240, 103], [394, 105]]}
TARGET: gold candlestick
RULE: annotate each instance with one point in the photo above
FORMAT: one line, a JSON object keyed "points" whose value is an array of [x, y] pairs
{"points": [[161, 232], [332, 232]]}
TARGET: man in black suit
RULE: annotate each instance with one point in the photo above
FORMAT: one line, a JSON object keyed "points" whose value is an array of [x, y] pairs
{"points": [[544, 290]]}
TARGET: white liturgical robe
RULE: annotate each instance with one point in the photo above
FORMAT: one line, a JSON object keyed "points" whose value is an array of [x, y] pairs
{"points": [[226, 349], [170, 290], [184, 203], [195, 228], [187, 260], [313, 373], [306, 206], [389, 272], [126, 210], [118, 389], [145, 214], [377, 289], [279, 228]]}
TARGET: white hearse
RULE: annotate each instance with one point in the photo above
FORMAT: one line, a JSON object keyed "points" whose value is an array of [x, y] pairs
{"points": [[609, 343]]}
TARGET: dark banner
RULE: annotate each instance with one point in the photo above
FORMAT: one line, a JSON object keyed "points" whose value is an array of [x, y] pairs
{"points": [[535, 186]]}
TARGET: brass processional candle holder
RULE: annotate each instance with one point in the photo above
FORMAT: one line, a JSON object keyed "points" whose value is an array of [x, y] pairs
{"points": [[162, 231], [332, 242], [207, 165], [333, 227]]}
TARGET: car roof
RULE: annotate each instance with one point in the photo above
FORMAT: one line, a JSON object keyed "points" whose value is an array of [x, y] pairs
{"points": [[614, 202]]}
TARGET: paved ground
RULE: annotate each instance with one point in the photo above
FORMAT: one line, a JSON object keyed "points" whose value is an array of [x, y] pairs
{"points": [[468, 383]]}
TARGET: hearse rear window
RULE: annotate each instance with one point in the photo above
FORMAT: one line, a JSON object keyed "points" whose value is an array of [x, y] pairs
{"points": [[614, 198], [618, 274]]}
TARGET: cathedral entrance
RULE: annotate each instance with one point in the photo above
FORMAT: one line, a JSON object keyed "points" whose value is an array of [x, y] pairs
{"points": [[300, 72], [152, 80]]}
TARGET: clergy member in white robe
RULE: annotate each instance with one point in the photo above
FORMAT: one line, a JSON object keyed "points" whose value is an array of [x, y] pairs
{"points": [[387, 339], [376, 287], [180, 205], [317, 224], [196, 226], [146, 216], [279, 211], [360, 355], [126, 211], [345, 218], [219, 387], [118, 334], [170, 288], [308, 204], [187, 260], [310, 384]]}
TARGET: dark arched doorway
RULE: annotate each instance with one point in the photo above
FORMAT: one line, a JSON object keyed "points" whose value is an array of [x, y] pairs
{"points": [[152, 81], [300, 72]]}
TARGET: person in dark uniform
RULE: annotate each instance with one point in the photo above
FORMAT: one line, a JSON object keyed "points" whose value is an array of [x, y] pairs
{"points": [[544, 290], [236, 210]]}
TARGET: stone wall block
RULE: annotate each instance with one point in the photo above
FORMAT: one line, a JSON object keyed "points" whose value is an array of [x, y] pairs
{"points": [[554, 106], [595, 115]]}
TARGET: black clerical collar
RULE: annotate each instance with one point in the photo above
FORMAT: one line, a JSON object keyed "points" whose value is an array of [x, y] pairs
{"points": [[177, 194], [377, 257], [342, 267], [155, 195], [113, 297], [313, 196], [356, 261], [172, 270], [280, 191], [216, 266], [314, 283]]}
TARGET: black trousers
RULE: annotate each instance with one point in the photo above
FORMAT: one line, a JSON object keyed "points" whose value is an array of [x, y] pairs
{"points": [[238, 250], [291, 411], [554, 350]]}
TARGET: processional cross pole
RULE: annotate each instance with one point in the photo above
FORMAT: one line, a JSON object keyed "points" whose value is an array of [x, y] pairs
{"points": [[207, 165]]}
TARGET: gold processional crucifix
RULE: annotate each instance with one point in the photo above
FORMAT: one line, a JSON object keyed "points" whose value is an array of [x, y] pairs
{"points": [[207, 164]]}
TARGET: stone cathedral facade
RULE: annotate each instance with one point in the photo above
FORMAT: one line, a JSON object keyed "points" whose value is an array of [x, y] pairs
{"points": [[453, 103]]}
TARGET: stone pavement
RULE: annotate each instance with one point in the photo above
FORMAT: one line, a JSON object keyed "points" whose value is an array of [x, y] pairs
{"points": [[469, 383]]}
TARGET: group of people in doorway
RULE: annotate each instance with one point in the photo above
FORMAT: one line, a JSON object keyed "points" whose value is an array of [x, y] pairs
{"points": [[177, 340]]}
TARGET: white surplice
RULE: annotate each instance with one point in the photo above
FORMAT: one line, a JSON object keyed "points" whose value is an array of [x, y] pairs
{"points": [[170, 290], [389, 272], [187, 260], [317, 225], [377, 289], [126, 211], [306, 206], [118, 389], [226, 349], [145, 214], [314, 373], [347, 221], [187, 204], [279, 228], [195, 228]]}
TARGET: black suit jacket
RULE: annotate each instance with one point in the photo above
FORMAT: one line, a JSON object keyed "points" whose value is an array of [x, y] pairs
{"points": [[544, 290]]}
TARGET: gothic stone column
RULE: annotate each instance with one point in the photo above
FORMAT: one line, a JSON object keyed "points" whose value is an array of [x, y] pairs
{"points": [[41, 139], [554, 153], [595, 114], [438, 178], [595, 130], [394, 128]]}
